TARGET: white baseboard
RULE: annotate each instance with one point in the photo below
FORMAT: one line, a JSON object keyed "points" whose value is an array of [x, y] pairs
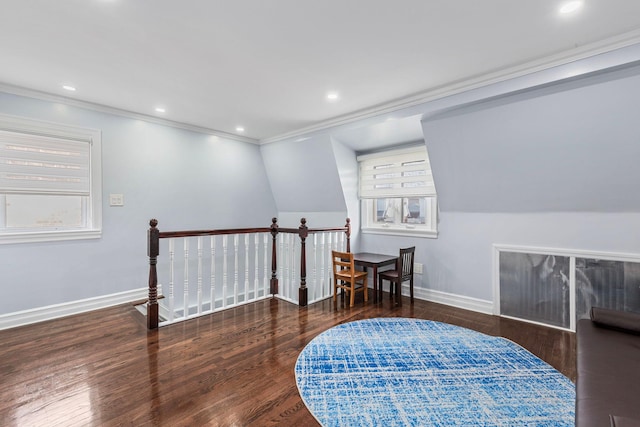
{"points": [[41, 314], [460, 301]]}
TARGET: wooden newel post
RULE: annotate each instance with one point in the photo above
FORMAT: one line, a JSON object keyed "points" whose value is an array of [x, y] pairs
{"points": [[303, 231], [153, 250], [348, 233], [274, 259]]}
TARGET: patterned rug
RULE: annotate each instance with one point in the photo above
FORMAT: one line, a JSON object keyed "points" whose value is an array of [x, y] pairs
{"points": [[411, 372]]}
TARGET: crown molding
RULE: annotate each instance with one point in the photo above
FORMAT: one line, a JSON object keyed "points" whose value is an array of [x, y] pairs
{"points": [[566, 57], [46, 96], [563, 58]]}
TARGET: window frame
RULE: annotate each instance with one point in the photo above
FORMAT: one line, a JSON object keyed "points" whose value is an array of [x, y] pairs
{"points": [[368, 208], [92, 209]]}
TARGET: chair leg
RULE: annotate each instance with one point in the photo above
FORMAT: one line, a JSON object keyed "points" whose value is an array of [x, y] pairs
{"points": [[335, 290], [365, 290], [398, 286], [411, 288], [352, 295]]}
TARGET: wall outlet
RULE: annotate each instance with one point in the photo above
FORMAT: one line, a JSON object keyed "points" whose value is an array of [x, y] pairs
{"points": [[417, 268], [116, 200]]}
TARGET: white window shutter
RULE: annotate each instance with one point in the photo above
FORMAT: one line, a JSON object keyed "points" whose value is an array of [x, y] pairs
{"points": [[404, 173], [36, 164]]}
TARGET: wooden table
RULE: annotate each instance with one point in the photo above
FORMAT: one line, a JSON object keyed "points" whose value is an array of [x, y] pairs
{"points": [[373, 261]]}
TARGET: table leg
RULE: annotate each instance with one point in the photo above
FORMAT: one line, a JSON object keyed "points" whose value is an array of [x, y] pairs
{"points": [[375, 285], [399, 289]]}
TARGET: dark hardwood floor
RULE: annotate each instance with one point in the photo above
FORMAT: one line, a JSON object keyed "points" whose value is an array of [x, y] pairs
{"points": [[234, 368]]}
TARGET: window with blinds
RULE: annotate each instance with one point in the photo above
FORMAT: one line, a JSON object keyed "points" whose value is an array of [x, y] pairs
{"points": [[397, 192], [50, 185]]}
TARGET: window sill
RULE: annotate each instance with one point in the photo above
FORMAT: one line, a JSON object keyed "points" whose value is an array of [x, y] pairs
{"points": [[428, 234], [48, 236]]}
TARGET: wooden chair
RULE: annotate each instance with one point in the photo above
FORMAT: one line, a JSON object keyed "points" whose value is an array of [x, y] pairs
{"points": [[403, 273], [344, 272]]}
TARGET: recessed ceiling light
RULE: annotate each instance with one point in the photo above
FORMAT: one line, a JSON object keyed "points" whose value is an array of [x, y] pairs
{"points": [[239, 129], [332, 96], [160, 110], [570, 7], [69, 88]]}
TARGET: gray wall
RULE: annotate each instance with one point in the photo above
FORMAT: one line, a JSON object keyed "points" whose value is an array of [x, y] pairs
{"points": [[305, 181], [555, 168], [184, 179], [568, 147], [347, 165]]}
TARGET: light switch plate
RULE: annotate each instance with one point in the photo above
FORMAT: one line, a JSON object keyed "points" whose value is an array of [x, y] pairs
{"points": [[116, 200]]}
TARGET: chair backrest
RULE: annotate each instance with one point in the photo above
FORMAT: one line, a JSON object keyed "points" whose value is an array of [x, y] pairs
{"points": [[405, 262], [342, 261]]}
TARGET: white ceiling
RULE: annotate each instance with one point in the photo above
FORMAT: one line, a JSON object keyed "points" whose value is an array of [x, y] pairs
{"points": [[268, 65]]}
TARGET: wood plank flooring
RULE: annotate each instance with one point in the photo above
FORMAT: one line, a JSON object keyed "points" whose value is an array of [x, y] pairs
{"points": [[234, 368]]}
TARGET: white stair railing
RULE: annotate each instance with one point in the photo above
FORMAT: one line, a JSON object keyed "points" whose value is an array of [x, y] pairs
{"points": [[246, 274]]}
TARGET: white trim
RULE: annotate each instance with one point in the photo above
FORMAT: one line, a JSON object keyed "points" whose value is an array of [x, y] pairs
{"points": [[323, 298], [495, 275], [45, 96], [626, 40], [48, 236], [289, 300], [572, 293], [578, 253], [533, 322], [165, 314], [43, 127], [572, 254], [429, 230], [416, 149], [93, 229], [454, 300], [612, 44], [41, 314], [427, 234]]}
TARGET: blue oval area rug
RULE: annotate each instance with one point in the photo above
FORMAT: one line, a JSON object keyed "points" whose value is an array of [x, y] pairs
{"points": [[412, 372]]}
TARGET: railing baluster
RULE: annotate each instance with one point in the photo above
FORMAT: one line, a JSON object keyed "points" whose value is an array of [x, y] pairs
{"points": [[235, 269], [266, 268], [212, 281], [246, 268], [199, 274], [285, 259], [225, 276], [329, 266], [314, 278], [172, 299], [283, 265], [323, 284], [292, 265], [257, 283], [256, 278], [185, 303]]}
